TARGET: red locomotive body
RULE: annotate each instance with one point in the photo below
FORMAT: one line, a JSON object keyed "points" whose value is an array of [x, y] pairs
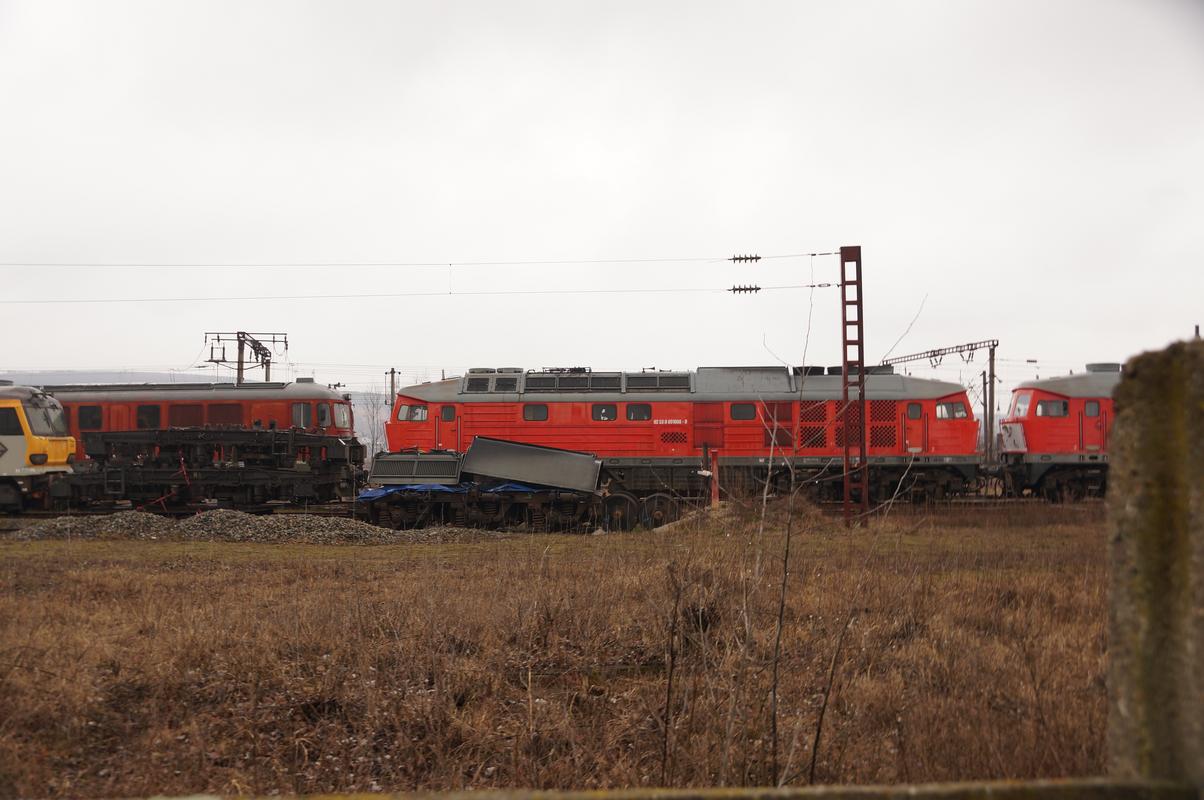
{"points": [[652, 428], [303, 405], [1055, 437]]}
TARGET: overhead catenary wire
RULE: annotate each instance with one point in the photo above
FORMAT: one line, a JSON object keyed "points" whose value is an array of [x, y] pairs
{"points": [[372, 264], [382, 295]]}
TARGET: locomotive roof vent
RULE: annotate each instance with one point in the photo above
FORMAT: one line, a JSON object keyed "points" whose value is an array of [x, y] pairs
{"points": [[837, 370], [481, 371], [809, 371], [1104, 366], [305, 380], [510, 369]]}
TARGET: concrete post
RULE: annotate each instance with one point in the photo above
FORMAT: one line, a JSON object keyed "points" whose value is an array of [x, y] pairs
{"points": [[1156, 511]]}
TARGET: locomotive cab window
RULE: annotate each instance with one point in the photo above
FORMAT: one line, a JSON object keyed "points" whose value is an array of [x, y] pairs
{"points": [[448, 413], [10, 423], [1052, 408], [604, 412], [914, 411], [147, 417], [535, 412], [342, 415], [323, 415], [1091, 408], [89, 418], [744, 411], [955, 410], [302, 415], [411, 413], [1020, 407], [639, 412]]}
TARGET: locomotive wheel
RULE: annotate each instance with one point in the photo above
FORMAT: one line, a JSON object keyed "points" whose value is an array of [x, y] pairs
{"points": [[620, 511], [659, 509]]}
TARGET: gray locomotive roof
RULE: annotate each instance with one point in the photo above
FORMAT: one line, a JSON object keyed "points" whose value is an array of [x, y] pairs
{"points": [[9, 392], [1089, 384], [151, 392], [709, 384]]}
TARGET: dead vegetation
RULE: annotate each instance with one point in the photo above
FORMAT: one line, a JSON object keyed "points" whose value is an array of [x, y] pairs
{"points": [[970, 646]]}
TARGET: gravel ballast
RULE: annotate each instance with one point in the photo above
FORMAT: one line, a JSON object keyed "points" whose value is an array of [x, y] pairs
{"points": [[222, 525]]}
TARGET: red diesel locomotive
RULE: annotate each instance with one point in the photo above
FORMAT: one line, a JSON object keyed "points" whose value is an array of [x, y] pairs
{"points": [[1054, 440], [654, 430]]}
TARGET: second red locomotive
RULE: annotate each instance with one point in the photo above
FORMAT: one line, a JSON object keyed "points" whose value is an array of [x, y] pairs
{"points": [[653, 430]]}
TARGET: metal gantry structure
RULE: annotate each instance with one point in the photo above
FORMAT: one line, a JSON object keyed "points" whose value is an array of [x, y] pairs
{"points": [[257, 343], [988, 399]]}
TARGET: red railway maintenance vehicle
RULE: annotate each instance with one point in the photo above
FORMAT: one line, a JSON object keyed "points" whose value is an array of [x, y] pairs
{"points": [[654, 430], [185, 444], [1055, 436], [303, 405]]}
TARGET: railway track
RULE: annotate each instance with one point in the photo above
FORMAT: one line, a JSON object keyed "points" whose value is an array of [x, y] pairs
{"points": [[347, 509]]}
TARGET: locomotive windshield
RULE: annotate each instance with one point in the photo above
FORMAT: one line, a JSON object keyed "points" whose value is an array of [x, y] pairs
{"points": [[45, 417], [1020, 405], [342, 415]]}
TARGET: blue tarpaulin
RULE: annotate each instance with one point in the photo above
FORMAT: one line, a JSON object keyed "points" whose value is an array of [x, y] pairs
{"points": [[462, 488]]}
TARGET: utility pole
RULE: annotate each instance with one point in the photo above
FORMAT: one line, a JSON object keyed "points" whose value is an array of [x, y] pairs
{"points": [[986, 416], [392, 373], [256, 342], [966, 351], [989, 450]]}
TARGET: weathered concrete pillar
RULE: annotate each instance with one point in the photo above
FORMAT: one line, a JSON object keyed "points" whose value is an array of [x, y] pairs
{"points": [[1156, 511]]}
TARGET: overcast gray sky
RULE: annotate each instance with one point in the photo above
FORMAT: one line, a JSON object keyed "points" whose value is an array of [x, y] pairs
{"points": [[1035, 170]]}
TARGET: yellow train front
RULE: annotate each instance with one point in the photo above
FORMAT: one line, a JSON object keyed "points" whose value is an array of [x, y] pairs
{"points": [[36, 449]]}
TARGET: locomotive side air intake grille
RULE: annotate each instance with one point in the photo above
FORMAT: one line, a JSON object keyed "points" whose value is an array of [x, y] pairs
{"points": [[840, 435], [673, 437], [883, 436], [882, 410], [505, 384], [813, 411], [641, 382], [573, 382], [604, 383], [477, 385], [813, 436]]}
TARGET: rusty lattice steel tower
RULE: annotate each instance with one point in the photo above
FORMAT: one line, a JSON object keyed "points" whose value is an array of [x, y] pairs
{"points": [[852, 373]]}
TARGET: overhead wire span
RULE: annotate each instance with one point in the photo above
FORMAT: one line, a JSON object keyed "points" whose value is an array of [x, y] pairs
{"points": [[381, 295], [368, 264]]}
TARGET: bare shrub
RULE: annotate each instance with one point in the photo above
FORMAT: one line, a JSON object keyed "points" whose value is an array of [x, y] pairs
{"points": [[974, 648]]}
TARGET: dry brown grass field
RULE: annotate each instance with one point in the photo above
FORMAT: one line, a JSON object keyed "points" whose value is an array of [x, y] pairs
{"points": [[958, 645]]}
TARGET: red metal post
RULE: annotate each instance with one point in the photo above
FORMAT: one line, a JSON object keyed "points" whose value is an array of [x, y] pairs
{"points": [[856, 468], [714, 479]]}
